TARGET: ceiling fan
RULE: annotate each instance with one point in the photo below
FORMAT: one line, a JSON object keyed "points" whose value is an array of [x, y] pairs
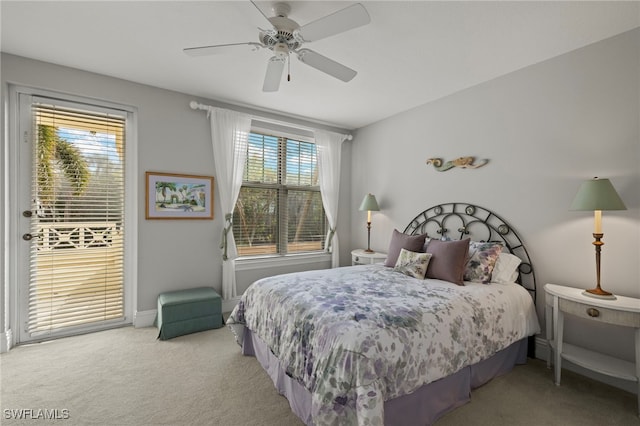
{"points": [[285, 37]]}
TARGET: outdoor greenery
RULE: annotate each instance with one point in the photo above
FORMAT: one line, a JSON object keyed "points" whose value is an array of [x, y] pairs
{"points": [[279, 208], [55, 153], [75, 184]]}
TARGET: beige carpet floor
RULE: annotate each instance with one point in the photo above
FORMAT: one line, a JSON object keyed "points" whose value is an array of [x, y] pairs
{"points": [[127, 377]]}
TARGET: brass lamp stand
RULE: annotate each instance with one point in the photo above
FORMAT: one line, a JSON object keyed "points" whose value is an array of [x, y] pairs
{"points": [[598, 291], [368, 250]]}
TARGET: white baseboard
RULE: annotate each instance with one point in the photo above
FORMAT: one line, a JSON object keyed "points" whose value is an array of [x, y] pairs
{"points": [[147, 318], [542, 348], [144, 318], [229, 304]]}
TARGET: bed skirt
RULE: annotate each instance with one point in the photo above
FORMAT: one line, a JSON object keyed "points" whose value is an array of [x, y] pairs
{"points": [[422, 407]]}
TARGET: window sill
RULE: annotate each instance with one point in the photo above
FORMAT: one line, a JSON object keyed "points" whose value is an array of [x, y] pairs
{"points": [[259, 262]]}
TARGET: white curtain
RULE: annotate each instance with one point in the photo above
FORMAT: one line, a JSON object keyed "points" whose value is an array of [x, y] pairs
{"points": [[229, 136], [329, 146]]}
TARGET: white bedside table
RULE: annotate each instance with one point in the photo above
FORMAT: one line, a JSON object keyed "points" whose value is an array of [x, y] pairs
{"points": [[362, 257], [623, 311]]}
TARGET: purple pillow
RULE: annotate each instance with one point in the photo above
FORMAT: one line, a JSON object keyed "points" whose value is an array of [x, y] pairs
{"points": [[448, 260], [401, 241]]}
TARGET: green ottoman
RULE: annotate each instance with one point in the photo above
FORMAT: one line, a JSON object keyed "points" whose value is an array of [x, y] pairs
{"points": [[188, 311]]}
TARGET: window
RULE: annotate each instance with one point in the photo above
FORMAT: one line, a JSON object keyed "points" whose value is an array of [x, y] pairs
{"points": [[279, 208]]}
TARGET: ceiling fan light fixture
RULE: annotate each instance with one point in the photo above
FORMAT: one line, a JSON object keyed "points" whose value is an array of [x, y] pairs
{"points": [[281, 50]]}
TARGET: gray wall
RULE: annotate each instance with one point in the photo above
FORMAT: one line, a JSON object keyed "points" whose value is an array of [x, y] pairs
{"points": [[545, 129], [171, 138]]}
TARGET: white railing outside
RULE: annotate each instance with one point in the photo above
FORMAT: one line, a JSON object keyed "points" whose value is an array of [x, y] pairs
{"points": [[76, 235]]}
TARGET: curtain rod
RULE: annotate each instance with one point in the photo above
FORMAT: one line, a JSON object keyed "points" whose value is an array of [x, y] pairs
{"points": [[203, 107]]}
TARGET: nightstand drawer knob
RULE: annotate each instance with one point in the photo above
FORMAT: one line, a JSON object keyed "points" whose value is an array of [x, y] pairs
{"points": [[593, 312], [357, 259]]}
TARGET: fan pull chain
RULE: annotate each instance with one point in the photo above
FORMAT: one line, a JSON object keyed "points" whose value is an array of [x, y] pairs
{"points": [[289, 67]]}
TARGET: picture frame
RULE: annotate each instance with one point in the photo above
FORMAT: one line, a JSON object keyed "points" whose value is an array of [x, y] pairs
{"points": [[178, 196]]}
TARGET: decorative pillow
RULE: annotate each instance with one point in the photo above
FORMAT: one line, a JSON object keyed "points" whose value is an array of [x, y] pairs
{"points": [[481, 260], [505, 270], [401, 241], [412, 263], [448, 259]]}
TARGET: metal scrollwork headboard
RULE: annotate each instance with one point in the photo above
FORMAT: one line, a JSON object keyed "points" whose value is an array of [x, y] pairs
{"points": [[462, 220]]}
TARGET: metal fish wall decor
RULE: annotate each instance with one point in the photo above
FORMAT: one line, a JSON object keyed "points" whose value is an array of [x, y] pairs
{"points": [[461, 162]]}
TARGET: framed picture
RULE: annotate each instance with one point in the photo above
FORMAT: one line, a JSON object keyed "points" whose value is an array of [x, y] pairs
{"points": [[175, 196]]}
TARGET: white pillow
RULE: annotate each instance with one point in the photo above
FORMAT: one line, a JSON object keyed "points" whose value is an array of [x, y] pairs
{"points": [[506, 269]]}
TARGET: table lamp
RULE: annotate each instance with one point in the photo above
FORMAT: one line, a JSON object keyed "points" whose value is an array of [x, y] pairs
{"points": [[597, 195], [369, 204]]}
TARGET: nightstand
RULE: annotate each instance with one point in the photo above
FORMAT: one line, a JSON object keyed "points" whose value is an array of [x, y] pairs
{"points": [[623, 311], [362, 257]]}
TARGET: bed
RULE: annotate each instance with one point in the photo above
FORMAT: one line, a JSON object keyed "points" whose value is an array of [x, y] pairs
{"points": [[376, 344]]}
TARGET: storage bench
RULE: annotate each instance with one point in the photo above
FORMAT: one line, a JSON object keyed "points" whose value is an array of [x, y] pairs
{"points": [[188, 311]]}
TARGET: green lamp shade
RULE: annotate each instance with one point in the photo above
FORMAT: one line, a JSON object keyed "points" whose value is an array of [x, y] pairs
{"points": [[597, 194], [369, 203]]}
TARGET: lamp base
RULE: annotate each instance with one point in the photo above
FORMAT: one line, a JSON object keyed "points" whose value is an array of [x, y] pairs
{"points": [[599, 293], [369, 251]]}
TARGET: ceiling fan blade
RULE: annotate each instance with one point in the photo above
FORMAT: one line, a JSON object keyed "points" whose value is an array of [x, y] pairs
{"points": [[217, 49], [274, 74], [346, 19], [326, 65], [266, 18]]}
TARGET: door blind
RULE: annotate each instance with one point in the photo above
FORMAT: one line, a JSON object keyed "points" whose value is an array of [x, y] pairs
{"points": [[77, 225]]}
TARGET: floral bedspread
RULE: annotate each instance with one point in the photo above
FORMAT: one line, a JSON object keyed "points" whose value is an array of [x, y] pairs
{"points": [[357, 336]]}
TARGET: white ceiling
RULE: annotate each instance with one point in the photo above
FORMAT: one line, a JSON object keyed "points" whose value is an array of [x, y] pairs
{"points": [[411, 53]]}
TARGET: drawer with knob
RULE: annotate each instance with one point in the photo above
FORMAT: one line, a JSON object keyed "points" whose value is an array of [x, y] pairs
{"points": [[363, 257], [606, 315]]}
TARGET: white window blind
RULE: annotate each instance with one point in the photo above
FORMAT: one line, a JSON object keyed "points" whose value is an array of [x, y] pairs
{"points": [[279, 208], [77, 251]]}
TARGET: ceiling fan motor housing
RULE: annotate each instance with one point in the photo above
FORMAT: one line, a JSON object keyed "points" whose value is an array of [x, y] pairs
{"points": [[283, 34]]}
